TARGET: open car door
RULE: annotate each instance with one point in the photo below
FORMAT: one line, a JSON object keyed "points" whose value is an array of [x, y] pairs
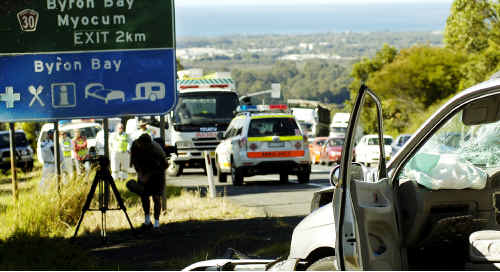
{"points": [[366, 220]]}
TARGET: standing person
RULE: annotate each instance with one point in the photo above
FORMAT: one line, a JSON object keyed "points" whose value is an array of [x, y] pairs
{"points": [[67, 160], [81, 153], [48, 158], [149, 161], [144, 129], [120, 153]]}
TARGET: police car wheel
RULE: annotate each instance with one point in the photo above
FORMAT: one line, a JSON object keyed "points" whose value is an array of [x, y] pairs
{"points": [[236, 175], [283, 178], [222, 177]]}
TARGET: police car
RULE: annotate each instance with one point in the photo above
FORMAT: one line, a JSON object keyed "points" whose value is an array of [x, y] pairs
{"points": [[260, 140]]}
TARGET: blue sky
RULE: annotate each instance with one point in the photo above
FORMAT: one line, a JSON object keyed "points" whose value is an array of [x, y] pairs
{"points": [[294, 2]]}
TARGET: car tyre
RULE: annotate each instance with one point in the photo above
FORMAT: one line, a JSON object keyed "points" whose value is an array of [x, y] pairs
{"points": [[304, 177], [174, 169], [283, 178], [325, 264], [221, 177], [236, 175]]}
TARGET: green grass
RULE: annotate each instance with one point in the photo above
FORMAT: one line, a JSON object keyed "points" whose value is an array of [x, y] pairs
{"points": [[35, 230]]}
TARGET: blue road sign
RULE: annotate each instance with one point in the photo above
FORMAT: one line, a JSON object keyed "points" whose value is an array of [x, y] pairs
{"points": [[96, 84]]}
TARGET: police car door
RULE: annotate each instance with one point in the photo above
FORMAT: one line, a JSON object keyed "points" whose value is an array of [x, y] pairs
{"points": [[367, 233]]}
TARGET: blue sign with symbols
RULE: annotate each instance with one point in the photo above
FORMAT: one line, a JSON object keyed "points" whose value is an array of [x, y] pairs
{"points": [[96, 84]]}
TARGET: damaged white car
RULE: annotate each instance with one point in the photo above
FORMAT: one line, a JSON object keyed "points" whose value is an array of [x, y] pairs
{"points": [[435, 205]]}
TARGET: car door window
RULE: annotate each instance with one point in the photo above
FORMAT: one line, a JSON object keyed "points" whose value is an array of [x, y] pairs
{"points": [[456, 156]]}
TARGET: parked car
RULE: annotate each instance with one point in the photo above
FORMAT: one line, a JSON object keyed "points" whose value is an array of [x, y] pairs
{"points": [[315, 148], [367, 150], [331, 151], [261, 140], [24, 152], [399, 142]]}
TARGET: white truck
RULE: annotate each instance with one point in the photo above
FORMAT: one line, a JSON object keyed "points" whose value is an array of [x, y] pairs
{"points": [[339, 124], [204, 108]]}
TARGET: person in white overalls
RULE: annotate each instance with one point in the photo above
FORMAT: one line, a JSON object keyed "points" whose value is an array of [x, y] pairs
{"points": [[120, 153], [67, 158], [48, 158]]}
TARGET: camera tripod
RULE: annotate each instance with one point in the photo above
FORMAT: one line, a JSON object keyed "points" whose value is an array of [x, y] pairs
{"points": [[104, 180]]}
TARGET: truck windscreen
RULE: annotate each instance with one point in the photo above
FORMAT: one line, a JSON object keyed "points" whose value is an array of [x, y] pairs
{"points": [[201, 108]]}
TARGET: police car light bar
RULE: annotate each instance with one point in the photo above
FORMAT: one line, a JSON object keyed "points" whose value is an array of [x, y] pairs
{"points": [[262, 108]]}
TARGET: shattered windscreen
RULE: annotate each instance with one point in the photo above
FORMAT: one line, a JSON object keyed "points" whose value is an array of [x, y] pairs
{"points": [[457, 156]]}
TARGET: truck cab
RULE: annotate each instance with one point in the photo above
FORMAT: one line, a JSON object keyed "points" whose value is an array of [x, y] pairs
{"points": [[204, 108]]}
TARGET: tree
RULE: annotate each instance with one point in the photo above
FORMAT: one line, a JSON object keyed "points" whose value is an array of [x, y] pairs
{"points": [[362, 70], [422, 73], [471, 24]]}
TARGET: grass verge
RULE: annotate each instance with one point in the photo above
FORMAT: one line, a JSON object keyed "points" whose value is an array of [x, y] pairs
{"points": [[35, 231]]}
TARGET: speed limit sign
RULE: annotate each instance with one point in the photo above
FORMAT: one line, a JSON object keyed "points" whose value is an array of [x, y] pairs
{"points": [[28, 19]]}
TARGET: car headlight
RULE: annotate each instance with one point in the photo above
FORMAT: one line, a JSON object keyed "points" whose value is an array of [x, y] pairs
{"points": [[184, 144]]}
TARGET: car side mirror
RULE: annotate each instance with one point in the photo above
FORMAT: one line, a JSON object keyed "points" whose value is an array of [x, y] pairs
{"points": [[334, 175], [220, 136], [358, 172]]}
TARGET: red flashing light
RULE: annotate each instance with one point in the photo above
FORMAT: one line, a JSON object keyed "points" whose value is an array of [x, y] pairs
{"points": [[219, 85], [189, 86], [278, 107]]}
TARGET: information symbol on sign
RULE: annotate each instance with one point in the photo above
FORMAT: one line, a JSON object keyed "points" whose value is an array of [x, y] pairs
{"points": [[63, 95], [28, 19]]}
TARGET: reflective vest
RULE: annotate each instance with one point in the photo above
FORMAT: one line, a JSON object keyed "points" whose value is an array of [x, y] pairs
{"points": [[121, 142], [67, 148], [82, 152]]}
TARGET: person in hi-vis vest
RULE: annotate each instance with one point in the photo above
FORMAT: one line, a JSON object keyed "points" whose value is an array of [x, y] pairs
{"points": [[81, 153], [48, 158], [67, 159], [120, 153]]}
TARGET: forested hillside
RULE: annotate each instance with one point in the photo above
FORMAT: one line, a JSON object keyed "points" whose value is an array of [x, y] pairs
{"points": [[412, 72]]}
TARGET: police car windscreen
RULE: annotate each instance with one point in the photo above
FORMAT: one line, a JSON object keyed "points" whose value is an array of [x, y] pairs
{"points": [[20, 140], [273, 127]]}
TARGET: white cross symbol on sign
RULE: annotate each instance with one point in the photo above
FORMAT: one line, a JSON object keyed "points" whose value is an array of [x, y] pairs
{"points": [[9, 97]]}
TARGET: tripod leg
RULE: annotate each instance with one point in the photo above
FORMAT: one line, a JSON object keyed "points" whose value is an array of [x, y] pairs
{"points": [[86, 206], [119, 200]]}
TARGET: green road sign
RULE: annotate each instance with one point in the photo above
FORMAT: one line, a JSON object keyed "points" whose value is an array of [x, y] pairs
{"points": [[30, 26]]}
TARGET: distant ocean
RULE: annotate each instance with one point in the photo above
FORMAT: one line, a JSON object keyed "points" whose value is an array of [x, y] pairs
{"points": [[254, 20]]}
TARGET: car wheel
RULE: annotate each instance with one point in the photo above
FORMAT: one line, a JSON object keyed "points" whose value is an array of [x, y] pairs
{"points": [[221, 177], [304, 177], [28, 167], [236, 175], [283, 178], [174, 169], [325, 264]]}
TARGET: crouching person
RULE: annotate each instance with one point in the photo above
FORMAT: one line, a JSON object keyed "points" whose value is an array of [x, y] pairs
{"points": [[149, 161]]}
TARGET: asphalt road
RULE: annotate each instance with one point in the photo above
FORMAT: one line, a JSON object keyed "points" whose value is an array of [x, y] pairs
{"points": [[262, 192]]}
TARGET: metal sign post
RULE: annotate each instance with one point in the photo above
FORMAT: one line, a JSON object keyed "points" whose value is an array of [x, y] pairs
{"points": [[57, 156], [12, 138]]}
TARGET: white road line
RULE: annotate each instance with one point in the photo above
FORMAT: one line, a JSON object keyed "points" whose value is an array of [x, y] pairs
{"points": [[316, 185]]}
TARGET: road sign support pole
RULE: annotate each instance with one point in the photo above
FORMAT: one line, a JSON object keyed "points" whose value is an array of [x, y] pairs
{"points": [[162, 139], [210, 175], [12, 132], [57, 156], [105, 124]]}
